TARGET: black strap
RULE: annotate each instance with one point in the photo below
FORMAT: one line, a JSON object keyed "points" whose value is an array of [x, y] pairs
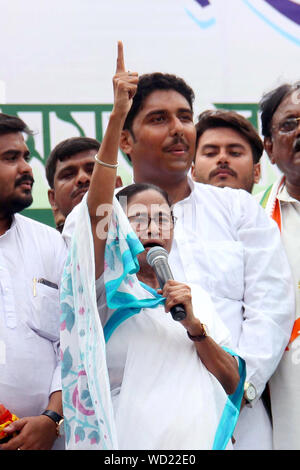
{"points": [[52, 415]]}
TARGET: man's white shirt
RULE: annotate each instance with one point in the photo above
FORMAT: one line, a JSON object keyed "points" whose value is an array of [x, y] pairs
{"points": [[224, 241], [285, 384], [29, 319]]}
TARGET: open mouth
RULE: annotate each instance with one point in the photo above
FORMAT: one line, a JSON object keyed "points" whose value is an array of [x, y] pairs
{"points": [[26, 185], [151, 244]]}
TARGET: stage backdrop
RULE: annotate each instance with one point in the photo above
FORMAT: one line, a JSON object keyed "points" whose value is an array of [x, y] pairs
{"points": [[57, 60]]}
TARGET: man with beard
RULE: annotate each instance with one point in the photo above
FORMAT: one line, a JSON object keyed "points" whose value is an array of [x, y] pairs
{"points": [[31, 263], [280, 117], [228, 150]]}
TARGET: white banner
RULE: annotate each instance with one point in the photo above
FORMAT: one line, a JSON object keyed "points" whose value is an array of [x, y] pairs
{"points": [[64, 52]]}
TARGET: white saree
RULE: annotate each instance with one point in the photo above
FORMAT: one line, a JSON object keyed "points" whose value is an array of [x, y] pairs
{"points": [[146, 388]]}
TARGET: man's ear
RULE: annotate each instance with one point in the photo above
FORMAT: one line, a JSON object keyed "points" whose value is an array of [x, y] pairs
{"points": [[268, 146], [51, 198], [126, 141], [193, 171], [256, 172]]}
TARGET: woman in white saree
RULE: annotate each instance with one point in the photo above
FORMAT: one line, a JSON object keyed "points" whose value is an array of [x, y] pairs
{"points": [[157, 383]]}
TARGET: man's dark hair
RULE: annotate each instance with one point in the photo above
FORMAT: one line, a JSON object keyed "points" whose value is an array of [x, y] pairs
{"points": [[270, 102], [151, 82], [66, 149], [223, 118], [10, 124]]}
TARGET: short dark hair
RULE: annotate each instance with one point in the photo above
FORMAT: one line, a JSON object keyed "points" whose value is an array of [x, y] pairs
{"points": [[65, 150], [270, 102], [151, 82], [10, 124], [224, 118]]}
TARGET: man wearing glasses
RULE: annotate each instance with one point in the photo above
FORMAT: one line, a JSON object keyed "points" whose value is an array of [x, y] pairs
{"points": [[280, 117]]}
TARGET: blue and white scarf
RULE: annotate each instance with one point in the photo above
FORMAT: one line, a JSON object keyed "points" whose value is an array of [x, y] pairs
{"points": [[88, 411]]}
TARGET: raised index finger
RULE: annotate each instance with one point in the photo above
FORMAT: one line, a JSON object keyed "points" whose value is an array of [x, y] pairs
{"points": [[120, 58]]}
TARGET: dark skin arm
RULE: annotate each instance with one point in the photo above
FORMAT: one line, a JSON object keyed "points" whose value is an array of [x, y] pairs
{"points": [[220, 363], [35, 432], [103, 180]]}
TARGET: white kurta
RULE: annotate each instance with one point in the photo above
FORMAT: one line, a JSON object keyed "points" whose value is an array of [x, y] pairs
{"points": [[29, 325], [224, 242], [163, 396], [285, 383]]}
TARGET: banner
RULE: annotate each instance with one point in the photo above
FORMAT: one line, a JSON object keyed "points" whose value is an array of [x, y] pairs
{"points": [[58, 60]]}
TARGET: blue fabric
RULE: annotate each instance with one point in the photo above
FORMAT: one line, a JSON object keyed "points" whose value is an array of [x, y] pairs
{"points": [[129, 306], [231, 410]]}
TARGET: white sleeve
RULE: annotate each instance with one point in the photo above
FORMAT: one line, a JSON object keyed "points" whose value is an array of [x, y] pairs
{"points": [[269, 298], [204, 309], [56, 378]]}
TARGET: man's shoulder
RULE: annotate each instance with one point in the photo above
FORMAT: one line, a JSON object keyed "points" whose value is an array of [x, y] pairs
{"points": [[224, 195], [211, 189], [36, 227]]}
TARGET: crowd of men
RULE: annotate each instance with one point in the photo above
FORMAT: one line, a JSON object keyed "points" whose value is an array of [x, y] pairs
{"points": [[242, 249]]}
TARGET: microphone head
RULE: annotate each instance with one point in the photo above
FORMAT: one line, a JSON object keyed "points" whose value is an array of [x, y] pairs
{"points": [[156, 252]]}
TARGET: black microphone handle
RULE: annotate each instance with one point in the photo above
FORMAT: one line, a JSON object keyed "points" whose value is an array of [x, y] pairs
{"points": [[178, 313], [163, 274]]}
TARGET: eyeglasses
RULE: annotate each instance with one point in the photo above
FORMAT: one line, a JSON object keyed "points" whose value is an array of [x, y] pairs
{"points": [[287, 126], [161, 220]]}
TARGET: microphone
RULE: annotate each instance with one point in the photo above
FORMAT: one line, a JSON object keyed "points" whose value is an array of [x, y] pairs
{"points": [[157, 257]]}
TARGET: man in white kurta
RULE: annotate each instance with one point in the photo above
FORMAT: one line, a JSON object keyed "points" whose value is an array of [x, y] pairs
{"points": [[32, 256], [280, 117], [29, 323], [285, 385], [223, 240]]}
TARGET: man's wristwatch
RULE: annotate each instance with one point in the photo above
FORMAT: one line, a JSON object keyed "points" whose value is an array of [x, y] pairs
{"points": [[200, 337], [58, 419], [249, 392]]}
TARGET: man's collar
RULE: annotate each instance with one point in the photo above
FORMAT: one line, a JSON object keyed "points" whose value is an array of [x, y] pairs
{"points": [[191, 183], [284, 196], [13, 223]]}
